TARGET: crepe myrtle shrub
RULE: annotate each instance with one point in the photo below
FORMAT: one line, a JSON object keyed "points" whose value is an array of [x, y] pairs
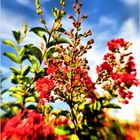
{"points": [[57, 70]]}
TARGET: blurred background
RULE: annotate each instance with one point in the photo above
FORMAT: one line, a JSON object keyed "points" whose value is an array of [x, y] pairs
{"points": [[107, 19]]}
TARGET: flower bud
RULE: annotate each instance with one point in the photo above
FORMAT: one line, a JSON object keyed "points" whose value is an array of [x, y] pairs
{"points": [[85, 51], [85, 16], [70, 16], [81, 4]]}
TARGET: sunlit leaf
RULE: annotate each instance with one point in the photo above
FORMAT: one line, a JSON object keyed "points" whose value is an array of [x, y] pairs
{"points": [[39, 30], [97, 105], [17, 35], [62, 129], [57, 41], [12, 56], [30, 99], [33, 61], [18, 96], [62, 30], [36, 52], [50, 52], [11, 44], [26, 70], [111, 105], [13, 78], [73, 137], [15, 70]]}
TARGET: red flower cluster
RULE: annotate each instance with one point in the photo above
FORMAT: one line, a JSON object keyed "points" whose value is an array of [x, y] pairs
{"points": [[126, 78], [114, 45], [119, 68], [27, 126], [44, 87], [104, 66], [51, 69]]}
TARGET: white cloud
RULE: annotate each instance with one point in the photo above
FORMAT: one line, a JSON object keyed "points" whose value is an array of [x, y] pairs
{"points": [[10, 22], [130, 2], [128, 29], [24, 2], [30, 3], [104, 20]]}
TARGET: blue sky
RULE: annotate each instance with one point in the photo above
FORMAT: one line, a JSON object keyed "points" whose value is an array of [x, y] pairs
{"points": [[107, 18]]}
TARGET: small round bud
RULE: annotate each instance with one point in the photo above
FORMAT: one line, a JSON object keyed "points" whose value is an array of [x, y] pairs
{"points": [[85, 16], [81, 4], [85, 51], [90, 47], [70, 16]]}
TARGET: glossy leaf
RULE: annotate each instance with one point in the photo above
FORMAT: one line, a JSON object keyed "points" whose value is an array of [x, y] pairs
{"points": [[55, 13], [18, 96], [73, 137], [62, 30], [17, 35], [97, 105], [15, 89], [26, 70], [15, 70], [39, 30], [62, 129], [33, 61], [111, 105], [24, 49], [30, 99], [13, 78], [11, 44], [50, 52], [12, 56], [36, 52], [57, 41]]}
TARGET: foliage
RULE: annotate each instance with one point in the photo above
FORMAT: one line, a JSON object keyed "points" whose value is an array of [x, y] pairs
{"points": [[59, 71]]}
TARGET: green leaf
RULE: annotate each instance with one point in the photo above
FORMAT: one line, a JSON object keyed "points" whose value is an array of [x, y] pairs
{"points": [[38, 31], [15, 89], [33, 61], [3, 79], [24, 48], [97, 105], [57, 41], [12, 56], [13, 78], [73, 137], [21, 52], [50, 52], [111, 105], [62, 129], [55, 13], [26, 70], [83, 106], [18, 96], [15, 70], [17, 35], [3, 91], [26, 79], [69, 75], [61, 30], [30, 99], [36, 52], [25, 28], [11, 44]]}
